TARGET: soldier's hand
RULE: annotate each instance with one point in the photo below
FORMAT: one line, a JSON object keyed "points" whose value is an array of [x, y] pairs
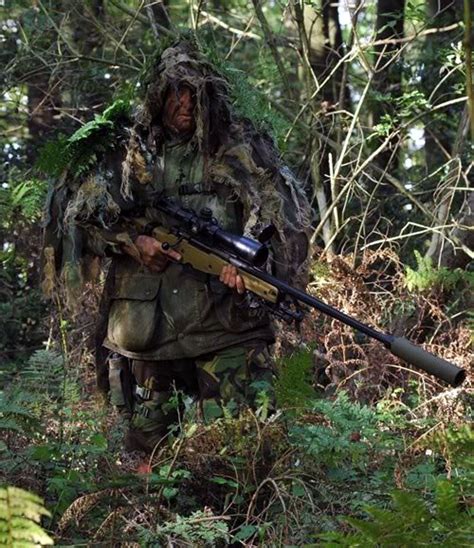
{"points": [[229, 276], [153, 255]]}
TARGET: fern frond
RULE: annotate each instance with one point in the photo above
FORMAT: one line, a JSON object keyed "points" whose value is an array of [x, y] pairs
{"points": [[16, 413], [79, 151], [20, 516], [79, 508], [29, 196], [447, 504], [45, 373]]}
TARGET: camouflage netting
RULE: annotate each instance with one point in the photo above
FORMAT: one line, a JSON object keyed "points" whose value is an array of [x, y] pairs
{"points": [[234, 152]]}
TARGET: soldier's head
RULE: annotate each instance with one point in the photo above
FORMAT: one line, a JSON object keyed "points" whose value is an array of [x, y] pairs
{"points": [[187, 96]]}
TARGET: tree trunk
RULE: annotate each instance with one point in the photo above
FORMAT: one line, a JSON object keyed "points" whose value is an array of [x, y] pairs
{"points": [[463, 234], [326, 48], [445, 137], [440, 131], [453, 247], [322, 48], [387, 82]]}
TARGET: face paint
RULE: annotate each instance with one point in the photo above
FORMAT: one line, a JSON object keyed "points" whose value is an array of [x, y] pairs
{"points": [[178, 112]]}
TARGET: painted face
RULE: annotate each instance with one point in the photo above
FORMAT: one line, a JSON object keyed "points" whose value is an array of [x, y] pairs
{"points": [[178, 112]]}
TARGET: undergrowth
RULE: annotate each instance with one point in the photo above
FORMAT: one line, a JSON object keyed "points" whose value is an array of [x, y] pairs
{"points": [[369, 457], [302, 476], [427, 277]]}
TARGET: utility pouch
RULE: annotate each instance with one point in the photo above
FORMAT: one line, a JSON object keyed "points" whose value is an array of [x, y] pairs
{"points": [[135, 312], [121, 382]]}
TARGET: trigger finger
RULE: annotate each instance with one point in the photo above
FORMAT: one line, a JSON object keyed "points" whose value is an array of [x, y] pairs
{"points": [[171, 253], [240, 284]]}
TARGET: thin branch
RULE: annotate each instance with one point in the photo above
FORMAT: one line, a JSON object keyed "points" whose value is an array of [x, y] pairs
{"points": [[413, 37], [270, 40], [142, 18], [233, 30]]}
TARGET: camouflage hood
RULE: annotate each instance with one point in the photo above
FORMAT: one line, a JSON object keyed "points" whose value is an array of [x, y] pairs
{"points": [[183, 64]]}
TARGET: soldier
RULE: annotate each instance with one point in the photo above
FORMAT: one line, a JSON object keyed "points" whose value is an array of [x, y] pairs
{"points": [[171, 329]]}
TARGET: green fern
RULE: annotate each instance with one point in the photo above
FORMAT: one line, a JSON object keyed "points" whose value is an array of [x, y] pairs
{"points": [[16, 412], [33, 387], [411, 521], [20, 516], [45, 373], [458, 444], [201, 528], [427, 277], [248, 100], [293, 385], [29, 196], [329, 439], [80, 151], [54, 157]]}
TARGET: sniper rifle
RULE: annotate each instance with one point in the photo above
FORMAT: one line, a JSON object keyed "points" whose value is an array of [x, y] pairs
{"points": [[204, 245]]}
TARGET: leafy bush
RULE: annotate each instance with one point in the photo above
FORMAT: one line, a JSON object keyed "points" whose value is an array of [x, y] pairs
{"points": [[200, 529], [345, 432]]}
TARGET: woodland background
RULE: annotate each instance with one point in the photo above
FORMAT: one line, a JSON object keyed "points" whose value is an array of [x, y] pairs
{"points": [[369, 102]]}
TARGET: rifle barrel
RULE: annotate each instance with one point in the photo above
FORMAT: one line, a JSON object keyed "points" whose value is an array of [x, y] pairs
{"points": [[398, 346]]}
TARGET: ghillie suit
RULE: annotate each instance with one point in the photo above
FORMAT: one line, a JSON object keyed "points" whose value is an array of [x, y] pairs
{"points": [[181, 317], [235, 155]]}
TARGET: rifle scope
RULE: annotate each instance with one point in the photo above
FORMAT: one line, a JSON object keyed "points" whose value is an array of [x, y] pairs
{"points": [[246, 249]]}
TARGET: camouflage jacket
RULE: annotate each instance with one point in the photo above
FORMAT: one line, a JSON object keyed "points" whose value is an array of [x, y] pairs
{"points": [[179, 312]]}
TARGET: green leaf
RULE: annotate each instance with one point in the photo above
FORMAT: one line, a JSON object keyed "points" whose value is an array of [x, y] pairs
{"points": [[99, 441], [88, 129], [170, 492], [245, 532], [224, 481], [42, 453], [297, 490]]}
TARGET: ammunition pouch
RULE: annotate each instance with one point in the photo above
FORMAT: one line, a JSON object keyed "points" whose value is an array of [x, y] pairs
{"points": [[146, 393], [121, 383], [147, 402], [135, 310]]}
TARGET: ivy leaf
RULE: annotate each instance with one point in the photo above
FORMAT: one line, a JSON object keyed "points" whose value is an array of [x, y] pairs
{"points": [[170, 492], [224, 481]]}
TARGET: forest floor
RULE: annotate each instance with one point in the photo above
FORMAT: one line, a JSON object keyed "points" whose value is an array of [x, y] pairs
{"points": [[363, 451]]}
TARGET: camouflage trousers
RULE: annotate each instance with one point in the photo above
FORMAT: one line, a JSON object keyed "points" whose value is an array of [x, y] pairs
{"points": [[222, 383]]}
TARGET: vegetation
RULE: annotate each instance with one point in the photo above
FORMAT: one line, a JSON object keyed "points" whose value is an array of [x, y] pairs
{"points": [[371, 104]]}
